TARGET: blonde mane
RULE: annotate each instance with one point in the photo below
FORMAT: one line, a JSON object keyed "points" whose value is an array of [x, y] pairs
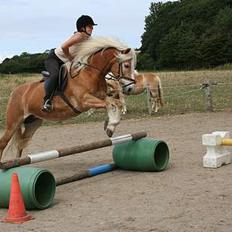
{"points": [[84, 50]]}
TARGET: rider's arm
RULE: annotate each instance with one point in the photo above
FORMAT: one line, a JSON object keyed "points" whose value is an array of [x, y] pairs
{"points": [[76, 38]]}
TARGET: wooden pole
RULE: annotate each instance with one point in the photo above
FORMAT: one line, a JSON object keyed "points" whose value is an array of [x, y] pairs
{"points": [[53, 154], [86, 174]]}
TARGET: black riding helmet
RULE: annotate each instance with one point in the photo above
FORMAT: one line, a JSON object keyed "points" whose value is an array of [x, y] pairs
{"points": [[84, 21]]}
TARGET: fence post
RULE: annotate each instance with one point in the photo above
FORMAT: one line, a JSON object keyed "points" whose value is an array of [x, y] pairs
{"points": [[208, 94], [148, 99]]}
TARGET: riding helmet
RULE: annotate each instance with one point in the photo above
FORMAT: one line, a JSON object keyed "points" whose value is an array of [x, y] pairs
{"points": [[84, 21]]}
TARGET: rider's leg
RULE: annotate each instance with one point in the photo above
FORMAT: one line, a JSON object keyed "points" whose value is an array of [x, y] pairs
{"points": [[52, 65]]}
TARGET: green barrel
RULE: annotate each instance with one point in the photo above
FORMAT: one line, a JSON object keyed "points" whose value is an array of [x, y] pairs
{"points": [[145, 154], [37, 185]]}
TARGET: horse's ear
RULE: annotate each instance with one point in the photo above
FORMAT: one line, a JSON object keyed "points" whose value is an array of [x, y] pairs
{"points": [[137, 52], [126, 51]]}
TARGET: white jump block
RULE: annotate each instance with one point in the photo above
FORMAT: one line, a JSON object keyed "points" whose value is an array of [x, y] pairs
{"points": [[216, 154]]}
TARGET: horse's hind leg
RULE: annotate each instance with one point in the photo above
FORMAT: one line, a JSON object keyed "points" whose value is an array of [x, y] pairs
{"points": [[31, 124], [8, 134], [155, 106]]}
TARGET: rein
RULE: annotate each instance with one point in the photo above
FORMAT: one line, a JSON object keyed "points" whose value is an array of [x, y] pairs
{"points": [[82, 64], [116, 78]]}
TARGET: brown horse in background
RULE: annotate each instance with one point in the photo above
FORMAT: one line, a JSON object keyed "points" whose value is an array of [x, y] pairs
{"points": [[86, 88], [143, 81]]}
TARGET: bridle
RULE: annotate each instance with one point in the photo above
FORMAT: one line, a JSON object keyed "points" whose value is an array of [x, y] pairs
{"points": [[112, 77], [120, 76]]}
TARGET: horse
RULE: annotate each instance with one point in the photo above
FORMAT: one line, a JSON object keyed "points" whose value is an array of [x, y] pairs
{"points": [[86, 88], [143, 81]]}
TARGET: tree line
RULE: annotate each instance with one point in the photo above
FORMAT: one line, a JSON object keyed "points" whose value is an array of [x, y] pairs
{"points": [[187, 34], [184, 34], [24, 63]]}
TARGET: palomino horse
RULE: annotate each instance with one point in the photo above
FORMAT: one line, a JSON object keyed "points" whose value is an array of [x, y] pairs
{"points": [[143, 81], [86, 88]]}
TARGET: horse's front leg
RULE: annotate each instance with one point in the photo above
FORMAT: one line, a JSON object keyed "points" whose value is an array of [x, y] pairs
{"points": [[113, 107], [123, 101]]}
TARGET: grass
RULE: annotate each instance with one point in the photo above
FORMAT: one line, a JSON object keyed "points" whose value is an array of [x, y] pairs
{"points": [[191, 96], [182, 94]]}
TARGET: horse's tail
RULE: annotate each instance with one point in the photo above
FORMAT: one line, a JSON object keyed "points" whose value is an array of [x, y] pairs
{"points": [[157, 92], [160, 92], [15, 140]]}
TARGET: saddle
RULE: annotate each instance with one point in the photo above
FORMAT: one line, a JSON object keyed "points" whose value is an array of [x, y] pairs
{"points": [[62, 80]]}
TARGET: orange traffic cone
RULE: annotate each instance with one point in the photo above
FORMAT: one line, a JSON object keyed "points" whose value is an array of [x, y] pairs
{"points": [[16, 211]]}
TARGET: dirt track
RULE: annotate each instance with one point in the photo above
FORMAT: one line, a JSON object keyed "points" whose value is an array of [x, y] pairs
{"points": [[185, 197]]}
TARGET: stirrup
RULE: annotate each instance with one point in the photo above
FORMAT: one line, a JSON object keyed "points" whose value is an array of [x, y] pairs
{"points": [[47, 106], [45, 74]]}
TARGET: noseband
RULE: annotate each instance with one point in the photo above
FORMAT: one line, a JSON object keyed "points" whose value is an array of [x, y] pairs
{"points": [[118, 78], [120, 75]]}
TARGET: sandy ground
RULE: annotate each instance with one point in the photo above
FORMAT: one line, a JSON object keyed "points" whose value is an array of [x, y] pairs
{"points": [[185, 197]]}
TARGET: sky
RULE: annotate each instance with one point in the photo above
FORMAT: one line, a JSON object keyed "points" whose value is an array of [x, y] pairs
{"points": [[36, 25]]}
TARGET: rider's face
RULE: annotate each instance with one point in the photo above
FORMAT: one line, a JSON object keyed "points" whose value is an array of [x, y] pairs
{"points": [[89, 29]]}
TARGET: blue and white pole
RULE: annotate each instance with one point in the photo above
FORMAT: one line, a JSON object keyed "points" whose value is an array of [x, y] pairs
{"points": [[94, 171]]}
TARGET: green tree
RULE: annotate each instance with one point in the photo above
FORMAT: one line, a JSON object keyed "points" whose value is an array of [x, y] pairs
{"points": [[25, 63], [189, 34]]}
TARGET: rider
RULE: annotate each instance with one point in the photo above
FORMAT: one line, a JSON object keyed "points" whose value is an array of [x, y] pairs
{"points": [[58, 56]]}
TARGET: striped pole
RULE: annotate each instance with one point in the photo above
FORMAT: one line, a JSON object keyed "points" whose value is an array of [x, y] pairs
{"points": [[53, 154], [86, 174]]}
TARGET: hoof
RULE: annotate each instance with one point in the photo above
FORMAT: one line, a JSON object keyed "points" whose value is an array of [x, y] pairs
{"points": [[109, 132]]}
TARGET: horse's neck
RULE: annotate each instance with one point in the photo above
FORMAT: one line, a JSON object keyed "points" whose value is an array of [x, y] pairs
{"points": [[102, 61], [98, 66]]}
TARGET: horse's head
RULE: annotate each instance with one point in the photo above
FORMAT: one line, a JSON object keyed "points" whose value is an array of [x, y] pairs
{"points": [[124, 65], [123, 68]]}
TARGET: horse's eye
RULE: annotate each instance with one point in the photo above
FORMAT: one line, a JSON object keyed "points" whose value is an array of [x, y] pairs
{"points": [[126, 66]]}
